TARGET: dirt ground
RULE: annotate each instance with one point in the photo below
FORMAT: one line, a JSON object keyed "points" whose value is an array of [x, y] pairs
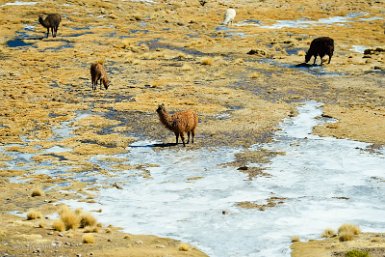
{"points": [[171, 52]]}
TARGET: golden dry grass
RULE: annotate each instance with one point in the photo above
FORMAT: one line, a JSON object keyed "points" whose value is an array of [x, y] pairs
{"points": [[328, 233], [33, 215], [183, 247], [207, 61], [37, 192], [350, 228], [58, 225], [88, 239], [86, 219], [346, 232], [70, 219]]}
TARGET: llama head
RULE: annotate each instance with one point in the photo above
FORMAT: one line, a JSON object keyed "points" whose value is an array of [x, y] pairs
{"points": [[307, 57], [106, 83], [161, 108]]}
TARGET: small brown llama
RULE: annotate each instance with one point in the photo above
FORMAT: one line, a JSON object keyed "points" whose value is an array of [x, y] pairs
{"points": [[99, 74], [179, 123], [52, 22]]}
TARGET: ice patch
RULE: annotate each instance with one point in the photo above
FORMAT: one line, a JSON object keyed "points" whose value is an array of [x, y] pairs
{"points": [[18, 3], [313, 176], [359, 49]]}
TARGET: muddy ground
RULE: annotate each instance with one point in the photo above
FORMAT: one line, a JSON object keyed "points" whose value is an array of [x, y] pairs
{"points": [[171, 52]]}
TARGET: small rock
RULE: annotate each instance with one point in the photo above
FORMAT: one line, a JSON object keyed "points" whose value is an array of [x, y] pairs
{"points": [[60, 234], [243, 168], [78, 255]]}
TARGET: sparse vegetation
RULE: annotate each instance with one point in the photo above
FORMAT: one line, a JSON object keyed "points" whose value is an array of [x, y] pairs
{"points": [[70, 219], [328, 233], [347, 231], [33, 215], [58, 225], [37, 192], [88, 239], [86, 219], [207, 61], [184, 247], [357, 253]]}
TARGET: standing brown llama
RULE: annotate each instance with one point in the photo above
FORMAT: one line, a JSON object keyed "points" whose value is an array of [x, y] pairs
{"points": [[179, 123], [99, 74], [52, 22]]}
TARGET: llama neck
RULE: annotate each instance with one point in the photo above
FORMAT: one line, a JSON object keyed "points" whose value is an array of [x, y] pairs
{"points": [[43, 22], [166, 119]]}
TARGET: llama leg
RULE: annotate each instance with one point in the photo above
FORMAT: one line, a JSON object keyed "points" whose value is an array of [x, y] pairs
{"points": [[100, 84], [188, 137], [330, 58], [53, 35], [315, 59], [192, 136], [47, 32], [176, 137], [182, 137]]}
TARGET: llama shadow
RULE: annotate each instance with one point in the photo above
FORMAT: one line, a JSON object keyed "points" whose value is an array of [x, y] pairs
{"points": [[161, 145], [305, 65]]}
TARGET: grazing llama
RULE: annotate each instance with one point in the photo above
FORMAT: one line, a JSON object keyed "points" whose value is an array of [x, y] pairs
{"points": [[320, 46], [52, 22], [99, 74], [179, 123], [229, 17]]}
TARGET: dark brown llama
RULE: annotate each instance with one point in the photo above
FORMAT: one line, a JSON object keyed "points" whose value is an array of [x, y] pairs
{"points": [[99, 74], [52, 22], [179, 123], [320, 46]]}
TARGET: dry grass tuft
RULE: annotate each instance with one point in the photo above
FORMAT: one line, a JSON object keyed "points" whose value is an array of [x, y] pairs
{"points": [[58, 225], [184, 247], [345, 236], [255, 75], [33, 215], [37, 192], [353, 229], [207, 61], [86, 219], [88, 239], [295, 239], [70, 219], [91, 230], [328, 233]]}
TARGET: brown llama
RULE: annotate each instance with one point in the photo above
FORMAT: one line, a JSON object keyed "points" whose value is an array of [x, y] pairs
{"points": [[99, 74], [52, 22], [179, 123]]}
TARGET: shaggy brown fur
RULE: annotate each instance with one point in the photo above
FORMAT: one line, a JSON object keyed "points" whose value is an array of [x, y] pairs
{"points": [[52, 22], [179, 123], [99, 74]]}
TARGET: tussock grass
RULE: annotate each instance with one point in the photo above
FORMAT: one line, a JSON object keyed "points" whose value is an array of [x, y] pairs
{"points": [[207, 61], [350, 228], [88, 239], [184, 247], [345, 236], [255, 75], [328, 233], [58, 225], [33, 215], [37, 192], [87, 220], [91, 230], [70, 219]]}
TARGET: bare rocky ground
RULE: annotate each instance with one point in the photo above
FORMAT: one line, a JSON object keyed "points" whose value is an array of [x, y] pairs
{"points": [[171, 52]]}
